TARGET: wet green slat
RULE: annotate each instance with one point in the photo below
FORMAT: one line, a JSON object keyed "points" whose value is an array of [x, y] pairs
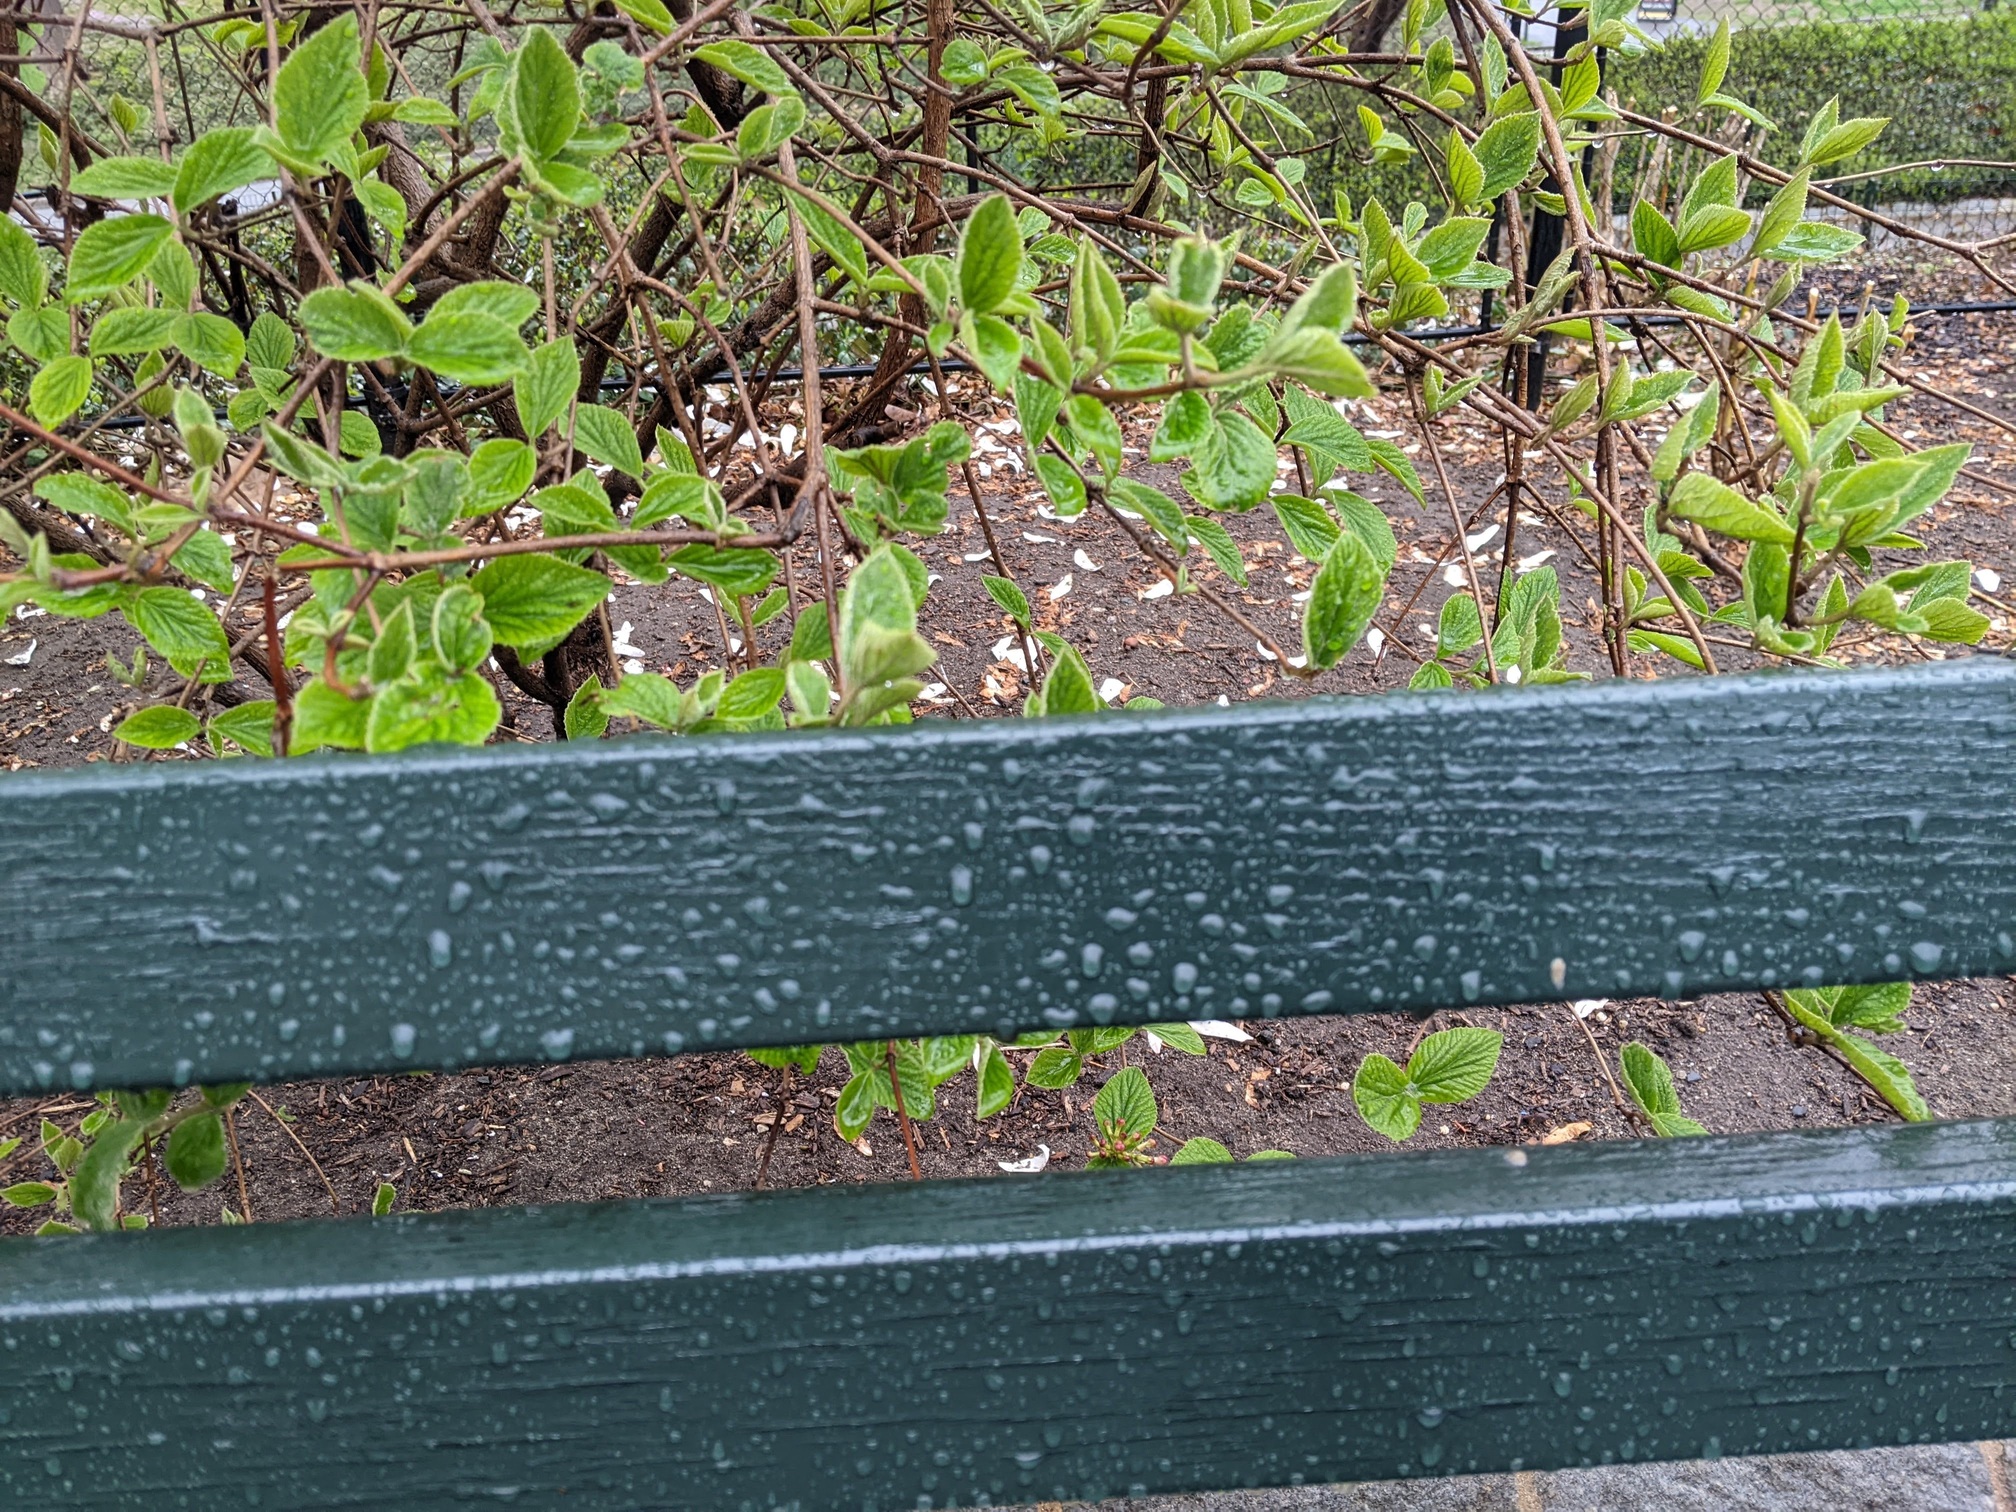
{"points": [[268, 920], [1086, 1335]]}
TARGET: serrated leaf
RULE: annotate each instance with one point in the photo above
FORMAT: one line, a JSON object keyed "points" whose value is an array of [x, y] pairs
{"points": [[532, 602], [161, 728], [1454, 1065], [113, 252], [1385, 1099], [196, 1154], [1126, 1104]]}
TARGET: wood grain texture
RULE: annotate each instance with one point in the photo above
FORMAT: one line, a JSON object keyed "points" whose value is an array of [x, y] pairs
{"points": [[172, 922], [887, 1347]]}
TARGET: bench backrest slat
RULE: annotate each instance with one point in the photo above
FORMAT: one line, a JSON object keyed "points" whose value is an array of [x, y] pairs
{"points": [[230, 921]]}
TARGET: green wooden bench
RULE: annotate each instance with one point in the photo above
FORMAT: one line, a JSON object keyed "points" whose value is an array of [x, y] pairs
{"points": [[1011, 1340]]}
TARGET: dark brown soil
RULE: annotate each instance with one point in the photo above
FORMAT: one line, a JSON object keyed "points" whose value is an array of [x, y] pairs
{"points": [[658, 1127]]}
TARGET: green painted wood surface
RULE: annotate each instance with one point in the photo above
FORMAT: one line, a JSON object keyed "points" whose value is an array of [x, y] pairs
{"points": [[225, 920], [868, 1349]]}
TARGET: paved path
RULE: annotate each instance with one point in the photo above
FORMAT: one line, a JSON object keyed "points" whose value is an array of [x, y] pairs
{"points": [[1931, 1478]]}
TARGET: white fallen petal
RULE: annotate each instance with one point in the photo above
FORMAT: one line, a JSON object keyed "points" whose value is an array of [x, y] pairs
{"points": [[1224, 701], [1988, 579], [1085, 564], [1513, 674], [977, 556], [1265, 654], [620, 643], [1154, 1040], [1040, 540], [1033, 1164], [633, 666], [1481, 539], [1157, 590], [1111, 689], [933, 693], [1528, 563], [28, 611], [1219, 1029], [1454, 575], [1376, 639], [1058, 589], [22, 658], [1009, 649], [1585, 1006]]}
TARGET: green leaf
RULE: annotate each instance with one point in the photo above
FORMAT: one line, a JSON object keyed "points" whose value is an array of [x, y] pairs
{"points": [[466, 346], [1178, 1037], [545, 95], [94, 1186], [1878, 1008], [1068, 688], [500, 470], [24, 277], [161, 728], [752, 65], [739, 572], [1342, 600], [1453, 245], [249, 725], [767, 125], [1126, 1104], [270, 344], [1385, 1098], [1218, 543], [1815, 241], [607, 437], [383, 1198], [354, 324], [195, 1154], [996, 1083], [1507, 150], [183, 631], [321, 96], [546, 385], [210, 341], [990, 256], [1720, 508], [392, 652], [1713, 226], [127, 178], [831, 236], [532, 602], [431, 705], [1011, 598], [1201, 1151], [461, 636], [1845, 140], [1714, 64], [1464, 172], [1234, 467], [1650, 1083], [86, 496], [59, 390], [1454, 1065], [28, 1194], [324, 717], [752, 695], [221, 160], [111, 253], [1186, 424]]}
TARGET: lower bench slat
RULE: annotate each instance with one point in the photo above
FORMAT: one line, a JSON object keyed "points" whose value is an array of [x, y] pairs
{"points": [[952, 1344]]}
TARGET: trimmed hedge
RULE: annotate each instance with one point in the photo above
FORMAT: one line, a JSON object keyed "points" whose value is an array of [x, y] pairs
{"points": [[1948, 86]]}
